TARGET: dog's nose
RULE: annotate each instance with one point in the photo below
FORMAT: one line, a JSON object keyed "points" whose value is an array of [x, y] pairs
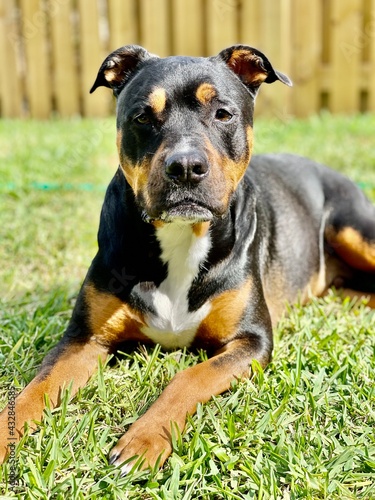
{"points": [[186, 168]]}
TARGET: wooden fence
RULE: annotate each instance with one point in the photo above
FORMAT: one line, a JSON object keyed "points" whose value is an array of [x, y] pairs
{"points": [[50, 50]]}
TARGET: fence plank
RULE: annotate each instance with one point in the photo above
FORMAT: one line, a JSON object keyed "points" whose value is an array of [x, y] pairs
{"points": [[307, 48], [122, 23], [345, 55], [92, 56], [10, 83], [222, 17], [250, 23], [34, 32], [155, 32], [370, 40], [275, 36], [187, 27], [65, 76]]}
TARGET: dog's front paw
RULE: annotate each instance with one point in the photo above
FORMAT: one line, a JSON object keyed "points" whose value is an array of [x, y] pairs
{"points": [[145, 445], [4, 451], [7, 434]]}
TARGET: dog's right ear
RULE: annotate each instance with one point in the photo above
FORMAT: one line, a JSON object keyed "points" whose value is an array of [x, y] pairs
{"points": [[120, 66], [251, 66]]}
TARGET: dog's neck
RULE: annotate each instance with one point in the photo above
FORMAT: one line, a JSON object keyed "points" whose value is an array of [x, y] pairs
{"points": [[184, 249]]}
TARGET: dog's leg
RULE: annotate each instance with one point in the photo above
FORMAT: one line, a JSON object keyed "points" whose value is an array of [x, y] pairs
{"points": [[70, 362], [98, 323], [350, 229], [150, 436]]}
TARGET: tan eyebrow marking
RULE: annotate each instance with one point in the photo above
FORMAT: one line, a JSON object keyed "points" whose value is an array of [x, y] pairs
{"points": [[205, 93], [158, 100]]}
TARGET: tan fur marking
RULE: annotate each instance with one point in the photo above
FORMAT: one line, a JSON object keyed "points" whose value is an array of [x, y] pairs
{"points": [[227, 170], [158, 100], [201, 228], [250, 139], [136, 175], [119, 139], [111, 75], [226, 311], [205, 93], [112, 320], [349, 244], [248, 66], [158, 224]]}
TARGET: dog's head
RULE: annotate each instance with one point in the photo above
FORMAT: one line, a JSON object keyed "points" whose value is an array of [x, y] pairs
{"points": [[185, 126]]}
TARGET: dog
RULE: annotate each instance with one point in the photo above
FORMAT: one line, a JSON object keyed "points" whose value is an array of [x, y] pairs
{"points": [[199, 247]]}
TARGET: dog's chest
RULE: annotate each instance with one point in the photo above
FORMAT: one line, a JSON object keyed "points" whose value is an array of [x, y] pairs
{"points": [[172, 324]]}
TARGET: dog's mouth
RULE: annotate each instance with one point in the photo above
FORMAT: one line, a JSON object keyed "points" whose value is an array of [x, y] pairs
{"points": [[187, 210]]}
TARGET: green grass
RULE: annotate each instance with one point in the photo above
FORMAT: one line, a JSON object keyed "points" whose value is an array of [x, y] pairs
{"points": [[303, 429]]}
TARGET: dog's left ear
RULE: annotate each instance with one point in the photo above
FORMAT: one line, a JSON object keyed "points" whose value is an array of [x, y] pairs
{"points": [[251, 66], [120, 66]]}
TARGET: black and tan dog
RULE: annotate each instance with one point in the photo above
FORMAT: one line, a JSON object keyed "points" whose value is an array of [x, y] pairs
{"points": [[198, 248]]}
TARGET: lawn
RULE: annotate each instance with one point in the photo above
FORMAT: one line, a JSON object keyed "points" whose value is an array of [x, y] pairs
{"points": [[302, 429]]}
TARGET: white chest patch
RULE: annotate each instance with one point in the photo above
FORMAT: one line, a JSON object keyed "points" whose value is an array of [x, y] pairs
{"points": [[173, 325]]}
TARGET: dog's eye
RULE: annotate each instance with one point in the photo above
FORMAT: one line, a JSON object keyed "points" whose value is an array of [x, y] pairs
{"points": [[142, 119], [223, 115]]}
